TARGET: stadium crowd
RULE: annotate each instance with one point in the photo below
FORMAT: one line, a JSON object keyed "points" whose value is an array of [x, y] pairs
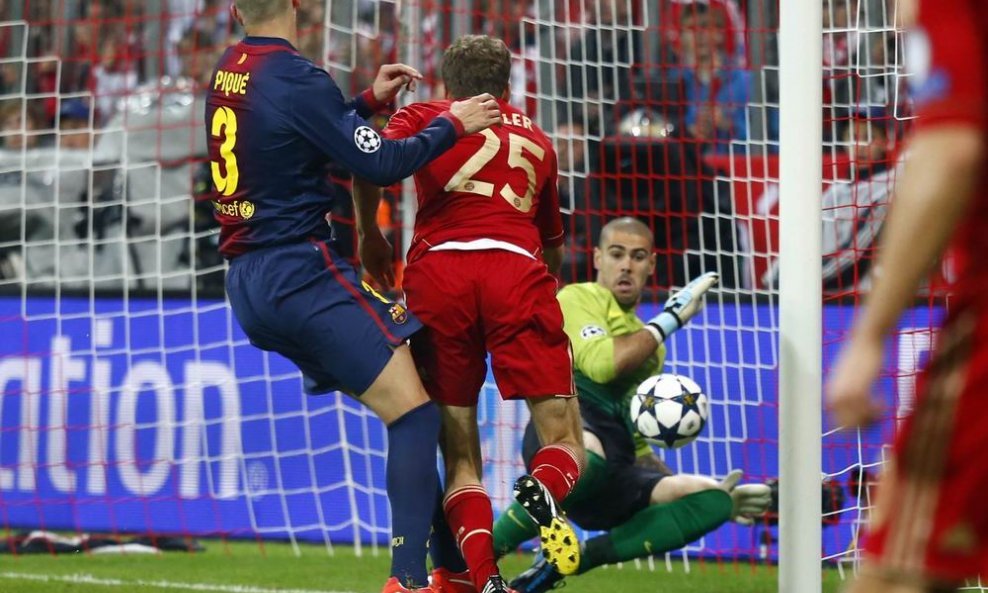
{"points": [[645, 125]]}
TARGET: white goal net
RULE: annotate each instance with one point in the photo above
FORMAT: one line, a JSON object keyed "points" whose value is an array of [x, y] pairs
{"points": [[130, 400]]}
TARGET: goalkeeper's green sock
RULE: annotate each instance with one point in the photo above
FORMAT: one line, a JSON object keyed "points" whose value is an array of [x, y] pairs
{"points": [[514, 527], [658, 529]]}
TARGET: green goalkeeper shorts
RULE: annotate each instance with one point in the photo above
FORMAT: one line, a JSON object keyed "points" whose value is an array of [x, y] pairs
{"points": [[610, 491]]}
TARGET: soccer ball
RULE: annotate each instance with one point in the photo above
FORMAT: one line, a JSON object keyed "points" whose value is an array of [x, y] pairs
{"points": [[670, 410]]}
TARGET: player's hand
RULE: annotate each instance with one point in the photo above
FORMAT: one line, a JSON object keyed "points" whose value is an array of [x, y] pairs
{"points": [[749, 500], [682, 306], [390, 79], [377, 257], [848, 393], [476, 113]]}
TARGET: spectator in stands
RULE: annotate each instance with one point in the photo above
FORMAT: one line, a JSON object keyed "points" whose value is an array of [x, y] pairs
{"points": [[41, 16], [77, 61], [854, 210], [10, 78], [602, 57], [869, 140], [19, 125], [727, 11], [860, 62], [100, 56], [716, 89], [214, 20], [75, 130], [210, 19], [311, 32], [879, 72], [197, 54], [839, 41], [104, 58], [114, 75], [41, 71]]}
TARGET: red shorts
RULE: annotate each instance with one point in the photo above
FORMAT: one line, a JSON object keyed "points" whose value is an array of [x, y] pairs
{"points": [[475, 302], [930, 522]]}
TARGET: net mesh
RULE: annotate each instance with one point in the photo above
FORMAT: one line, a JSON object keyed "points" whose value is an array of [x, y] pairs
{"points": [[867, 113], [127, 383]]}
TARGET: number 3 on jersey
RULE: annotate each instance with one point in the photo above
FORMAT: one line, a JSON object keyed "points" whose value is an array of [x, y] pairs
{"points": [[224, 126], [462, 180]]}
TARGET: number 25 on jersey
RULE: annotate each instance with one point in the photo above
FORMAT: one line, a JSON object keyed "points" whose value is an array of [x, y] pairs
{"points": [[518, 146], [224, 125]]}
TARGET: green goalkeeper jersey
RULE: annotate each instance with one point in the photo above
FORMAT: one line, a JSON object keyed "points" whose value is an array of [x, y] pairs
{"points": [[593, 318]]}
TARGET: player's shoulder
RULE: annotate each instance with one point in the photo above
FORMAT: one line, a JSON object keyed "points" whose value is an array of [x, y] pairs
{"points": [[428, 109], [413, 117], [292, 65], [583, 293], [581, 289], [291, 69]]}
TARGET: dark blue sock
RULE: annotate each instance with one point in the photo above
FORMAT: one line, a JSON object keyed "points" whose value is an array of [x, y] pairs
{"points": [[442, 545], [412, 481]]}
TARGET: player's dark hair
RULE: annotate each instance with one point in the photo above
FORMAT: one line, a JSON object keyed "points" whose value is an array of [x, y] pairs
{"points": [[258, 11], [476, 64]]}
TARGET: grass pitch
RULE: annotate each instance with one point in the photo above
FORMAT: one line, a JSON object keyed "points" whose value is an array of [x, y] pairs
{"points": [[242, 567]]}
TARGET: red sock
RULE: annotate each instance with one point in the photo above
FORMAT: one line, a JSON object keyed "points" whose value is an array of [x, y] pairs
{"points": [[556, 467], [471, 519]]}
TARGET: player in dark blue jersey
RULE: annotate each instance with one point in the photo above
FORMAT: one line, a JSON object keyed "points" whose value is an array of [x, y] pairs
{"points": [[274, 122]]}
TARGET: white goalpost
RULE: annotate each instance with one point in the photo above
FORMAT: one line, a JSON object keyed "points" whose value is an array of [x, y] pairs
{"points": [[800, 303]]}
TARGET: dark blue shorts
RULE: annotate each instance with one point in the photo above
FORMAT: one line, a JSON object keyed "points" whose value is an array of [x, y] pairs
{"points": [[307, 303]]}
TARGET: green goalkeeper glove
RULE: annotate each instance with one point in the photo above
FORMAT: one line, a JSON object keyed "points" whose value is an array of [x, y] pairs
{"points": [[681, 307]]}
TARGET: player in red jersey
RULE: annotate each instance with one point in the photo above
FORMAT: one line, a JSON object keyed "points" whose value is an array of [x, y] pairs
{"points": [[488, 237], [929, 528]]}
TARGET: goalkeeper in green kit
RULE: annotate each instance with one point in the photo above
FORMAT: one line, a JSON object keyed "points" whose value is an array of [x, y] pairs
{"points": [[625, 490]]}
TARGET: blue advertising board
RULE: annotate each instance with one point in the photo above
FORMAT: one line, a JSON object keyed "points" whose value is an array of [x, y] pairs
{"points": [[137, 415]]}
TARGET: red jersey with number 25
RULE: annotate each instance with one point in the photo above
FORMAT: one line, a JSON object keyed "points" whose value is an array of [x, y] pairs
{"points": [[496, 184]]}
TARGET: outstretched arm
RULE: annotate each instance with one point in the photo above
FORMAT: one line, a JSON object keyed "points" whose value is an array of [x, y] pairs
{"points": [[321, 116], [602, 357], [632, 350]]}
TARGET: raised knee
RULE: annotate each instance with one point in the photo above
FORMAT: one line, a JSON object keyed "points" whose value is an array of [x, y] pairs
{"points": [[592, 444]]}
